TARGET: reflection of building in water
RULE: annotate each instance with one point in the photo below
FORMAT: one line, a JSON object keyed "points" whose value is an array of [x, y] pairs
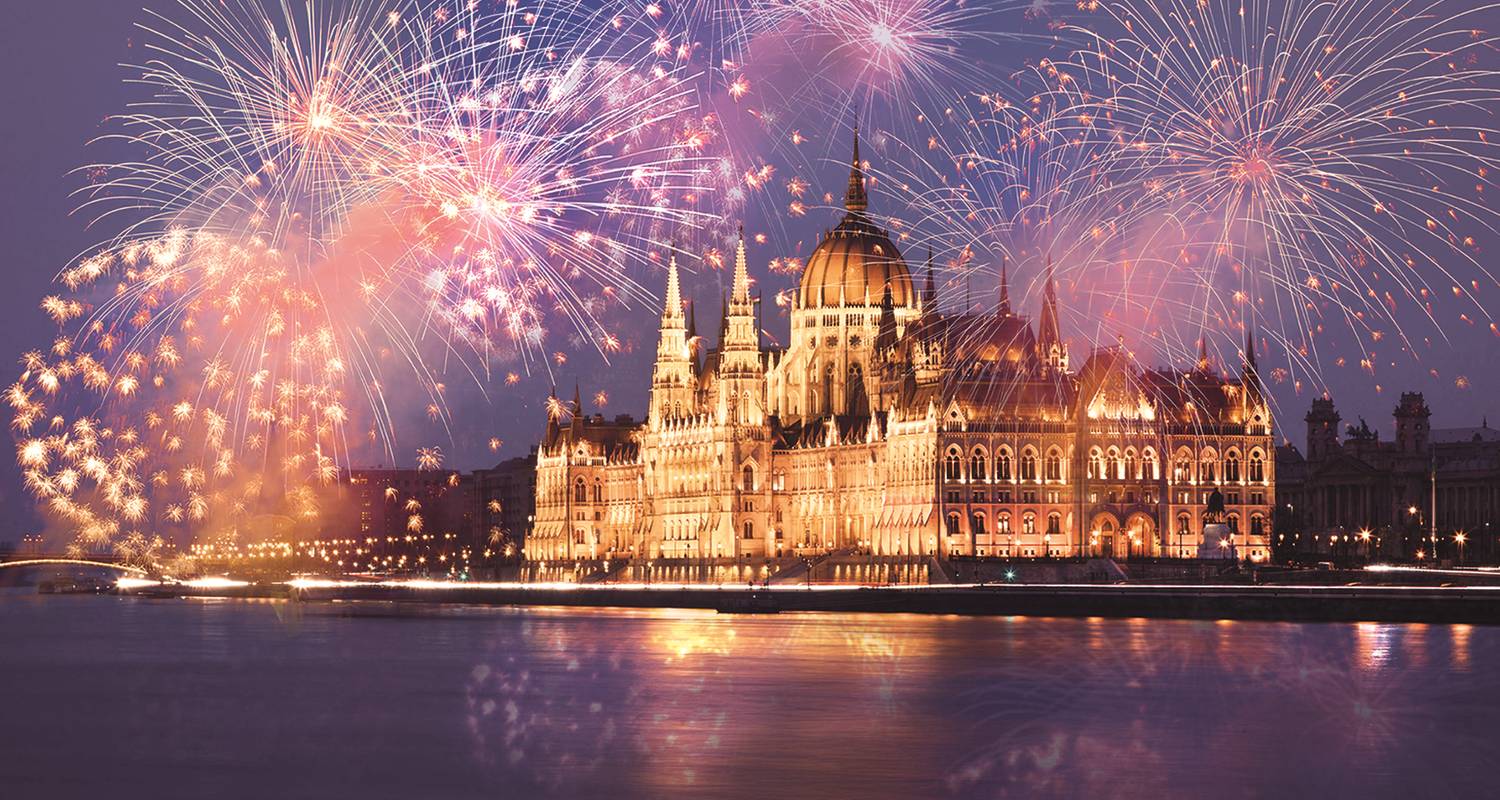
{"points": [[1363, 496], [890, 425]]}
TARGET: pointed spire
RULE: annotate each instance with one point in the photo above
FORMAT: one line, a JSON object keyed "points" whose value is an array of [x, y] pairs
{"points": [[672, 308], [1004, 286], [577, 422], [741, 291], [1250, 346], [1203, 353], [855, 198]]}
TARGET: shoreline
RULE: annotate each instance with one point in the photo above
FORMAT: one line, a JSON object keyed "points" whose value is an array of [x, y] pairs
{"points": [[1441, 605]]}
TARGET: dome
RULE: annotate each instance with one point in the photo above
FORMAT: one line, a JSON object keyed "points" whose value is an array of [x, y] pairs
{"points": [[856, 260]]}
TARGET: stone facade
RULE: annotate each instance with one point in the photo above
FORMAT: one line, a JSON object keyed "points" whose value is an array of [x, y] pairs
{"points": [[892, 427]]}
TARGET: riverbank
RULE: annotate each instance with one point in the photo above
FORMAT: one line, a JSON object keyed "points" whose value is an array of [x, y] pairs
{"points": [[1472, 604]]}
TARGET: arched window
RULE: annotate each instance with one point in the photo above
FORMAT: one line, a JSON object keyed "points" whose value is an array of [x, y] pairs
{"points": [[1182, 470], [953, 465], [580, 492], [1002, 523], [749, 529], [1131, 471], [976, 465], [1257, 525], [1206, 471], [1231, 468], [978, 523], [747, 477], [1184, 525], [1148, 465], [953, 529], [1096, 463], [1054, 523], [598, 492], [1257, 467], [1002, 465], [1028, 523], [1053, 465], [1028, 466], [1113, 469], [1234, 523]]}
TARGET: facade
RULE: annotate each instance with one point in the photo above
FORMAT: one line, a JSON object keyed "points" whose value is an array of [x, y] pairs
{"points": [[1363, 496], [892, 427]]}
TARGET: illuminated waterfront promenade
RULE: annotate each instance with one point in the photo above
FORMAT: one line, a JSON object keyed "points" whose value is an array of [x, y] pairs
{"points": [[1469, 604]]}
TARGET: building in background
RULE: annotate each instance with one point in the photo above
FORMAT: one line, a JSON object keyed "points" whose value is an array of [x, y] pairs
{"points": [[505, 501], [890, 426], [1364, 497]]}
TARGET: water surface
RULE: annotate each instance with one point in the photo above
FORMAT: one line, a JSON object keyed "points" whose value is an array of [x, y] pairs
{"points": [[124, 698]]}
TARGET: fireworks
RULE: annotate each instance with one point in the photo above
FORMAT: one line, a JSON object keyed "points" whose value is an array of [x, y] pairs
{"points": [[1316, 161], [320, 206]]}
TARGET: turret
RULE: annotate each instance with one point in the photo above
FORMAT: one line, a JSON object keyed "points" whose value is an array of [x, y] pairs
{"points": [[1322, 429], [1412, 428]]}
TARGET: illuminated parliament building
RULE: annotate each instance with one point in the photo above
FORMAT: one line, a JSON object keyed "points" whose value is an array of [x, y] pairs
{"points": [[889, 427]]}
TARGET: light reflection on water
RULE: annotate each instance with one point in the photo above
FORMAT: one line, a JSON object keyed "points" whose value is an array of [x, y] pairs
{"points": [[254, 699]]}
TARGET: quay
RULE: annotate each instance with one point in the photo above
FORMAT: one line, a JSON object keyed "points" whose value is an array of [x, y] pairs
{"points": [[1365, 603]]}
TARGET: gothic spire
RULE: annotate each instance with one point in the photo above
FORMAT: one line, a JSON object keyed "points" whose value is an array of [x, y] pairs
{"points": [[672, 308], [741, 289], [855, 198], [577, 421]]}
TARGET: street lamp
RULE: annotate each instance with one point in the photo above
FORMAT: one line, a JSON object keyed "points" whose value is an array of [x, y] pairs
{"points": [[1460, 538]]}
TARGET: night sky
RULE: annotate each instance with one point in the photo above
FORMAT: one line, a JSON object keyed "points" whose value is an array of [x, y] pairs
{"points": [[62, 80]]}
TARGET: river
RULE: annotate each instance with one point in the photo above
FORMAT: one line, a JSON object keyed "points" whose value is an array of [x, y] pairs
{"points": [[123, 698]]}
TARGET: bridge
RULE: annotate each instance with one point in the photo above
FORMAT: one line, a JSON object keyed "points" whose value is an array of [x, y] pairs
{"points": [[114, 562]]}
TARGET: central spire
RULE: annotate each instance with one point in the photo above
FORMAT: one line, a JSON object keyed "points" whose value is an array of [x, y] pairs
{"points": [[855, 198]]}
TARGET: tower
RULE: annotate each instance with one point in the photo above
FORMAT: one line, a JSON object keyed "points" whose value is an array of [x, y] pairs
{"points": [[1412, 428], [1322, 429], [740, 378], [672, 380]]}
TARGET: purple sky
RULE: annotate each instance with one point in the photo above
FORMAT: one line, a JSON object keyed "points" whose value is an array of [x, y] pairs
{"points": [[62, 80]]}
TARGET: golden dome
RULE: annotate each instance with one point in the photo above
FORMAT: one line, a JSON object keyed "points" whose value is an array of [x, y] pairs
{"points": [[852, 266], [856, 260]]}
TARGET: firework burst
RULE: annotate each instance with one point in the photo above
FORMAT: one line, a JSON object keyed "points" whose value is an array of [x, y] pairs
{"points": [[320, 207], [1320, 162]]}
